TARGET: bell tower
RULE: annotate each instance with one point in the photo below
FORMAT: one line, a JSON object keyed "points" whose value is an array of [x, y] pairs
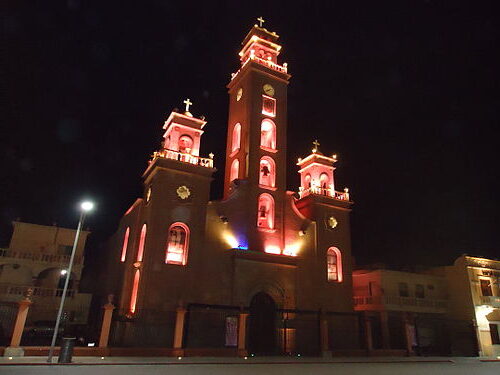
{"points": [[256, 138]]}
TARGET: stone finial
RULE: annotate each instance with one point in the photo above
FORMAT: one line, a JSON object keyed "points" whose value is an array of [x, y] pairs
{"points": [[28, 294]]}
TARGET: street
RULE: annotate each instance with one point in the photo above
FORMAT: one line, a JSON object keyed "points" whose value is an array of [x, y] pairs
{"points": [[222, 366]]}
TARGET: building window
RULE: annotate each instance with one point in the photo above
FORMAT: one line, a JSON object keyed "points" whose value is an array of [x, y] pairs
{"points": [[177, 244], [486, 287], [265, 214], [307, 181], [267, 173], [185, 144], [403, 290], [419, 291], [268, 135], [495, 338], [235, 168], [142, 241], [236, 141], [268, 106], [324, 182], [135, 289], [334, 264], [125, 244]]}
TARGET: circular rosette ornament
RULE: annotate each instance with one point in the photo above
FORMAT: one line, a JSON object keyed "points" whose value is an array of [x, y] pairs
{"points": [[183, 192]]}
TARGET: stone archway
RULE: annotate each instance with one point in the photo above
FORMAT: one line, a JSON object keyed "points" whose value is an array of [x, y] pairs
{"points": [[262, 325]]}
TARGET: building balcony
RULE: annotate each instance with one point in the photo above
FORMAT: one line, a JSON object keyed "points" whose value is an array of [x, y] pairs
{"points": [[38, 257], [183, 157], [396, 303], [13, 292], [267, 63], [327, 192], [492, 301]]}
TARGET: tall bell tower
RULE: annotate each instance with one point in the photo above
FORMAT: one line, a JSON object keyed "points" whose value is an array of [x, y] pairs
{"points": [[256, 138]]}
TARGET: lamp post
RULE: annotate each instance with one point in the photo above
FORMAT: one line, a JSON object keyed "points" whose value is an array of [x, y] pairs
{"points": [[85, 208]]}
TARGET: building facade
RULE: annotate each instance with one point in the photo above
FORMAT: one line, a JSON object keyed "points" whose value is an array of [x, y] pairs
{"points": [[262, 248], [474, 287], [35, 262], [407, 310]]}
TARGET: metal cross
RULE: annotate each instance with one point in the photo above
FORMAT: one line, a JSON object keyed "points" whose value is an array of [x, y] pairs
{"points": [[316, 144], [187, 102], [261, 21]]}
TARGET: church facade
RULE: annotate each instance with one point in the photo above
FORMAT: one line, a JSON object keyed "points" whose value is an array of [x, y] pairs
{"points": [[261, 249]]}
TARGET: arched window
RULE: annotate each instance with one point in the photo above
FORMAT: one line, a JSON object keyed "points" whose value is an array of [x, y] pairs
{"points": [[324, 183], [135, 290], [185, 144], [125, 244], [235, 168], [307, 181], [334, 264], [177, 244], [236, 142], [268, 134], [267, 173], [265, 214], [142, 241]]}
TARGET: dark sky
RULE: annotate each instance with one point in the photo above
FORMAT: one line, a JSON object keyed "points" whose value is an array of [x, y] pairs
{"points": [[405, 92]]}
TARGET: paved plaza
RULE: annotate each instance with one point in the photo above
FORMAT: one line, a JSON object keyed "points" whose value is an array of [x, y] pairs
{"points": [[263, 365]]}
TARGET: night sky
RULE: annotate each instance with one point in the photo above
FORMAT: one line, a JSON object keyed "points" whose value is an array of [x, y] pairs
{"points": [[405, 92]]}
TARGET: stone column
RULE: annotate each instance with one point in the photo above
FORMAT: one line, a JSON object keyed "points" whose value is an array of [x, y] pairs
{"points": [[242, 334], [179, 330], [22, 313], [408, 333], [106, 322], [384, 324], [368, 333]]}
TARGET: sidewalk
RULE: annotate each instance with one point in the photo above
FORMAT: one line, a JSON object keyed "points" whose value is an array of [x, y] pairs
{"points": [[37, 361]]}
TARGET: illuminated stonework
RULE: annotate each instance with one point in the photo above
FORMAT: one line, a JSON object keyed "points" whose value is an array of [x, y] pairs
{"points": [[182, 249]]}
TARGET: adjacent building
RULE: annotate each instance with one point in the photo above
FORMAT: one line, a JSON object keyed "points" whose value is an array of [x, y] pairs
{"points": [[35, 262], [406, 310], [474, 288]]}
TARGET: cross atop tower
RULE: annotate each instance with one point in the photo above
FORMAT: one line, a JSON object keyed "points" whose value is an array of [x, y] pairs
{"points": [[187, 102], [316, 145], [261, 21]]}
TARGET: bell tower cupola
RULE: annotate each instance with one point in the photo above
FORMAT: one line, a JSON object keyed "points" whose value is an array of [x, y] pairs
{"points": [[317, 175]]}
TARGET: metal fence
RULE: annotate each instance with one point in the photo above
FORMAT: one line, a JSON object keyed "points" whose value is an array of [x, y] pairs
{"points": [[345, 331], [211, 326], [298, 332], [148, 328], [8, 313]]}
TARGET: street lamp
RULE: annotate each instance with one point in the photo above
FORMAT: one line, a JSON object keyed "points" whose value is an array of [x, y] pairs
{"points": [[85, 207]]}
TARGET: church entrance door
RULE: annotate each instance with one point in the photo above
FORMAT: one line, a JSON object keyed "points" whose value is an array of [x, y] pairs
{"points": [[262, 334]]}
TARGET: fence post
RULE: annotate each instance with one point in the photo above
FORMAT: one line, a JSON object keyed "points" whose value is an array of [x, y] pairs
{"points": [[22, 313], [179, 330], [106, 322], [242, 333], [323, 331], [368, 333]]}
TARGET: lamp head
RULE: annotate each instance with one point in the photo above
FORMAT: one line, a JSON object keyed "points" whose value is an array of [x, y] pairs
{"points": [[87, 206]]}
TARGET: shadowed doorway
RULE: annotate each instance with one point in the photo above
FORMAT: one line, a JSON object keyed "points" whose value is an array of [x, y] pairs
{"points": [[262, 335]]}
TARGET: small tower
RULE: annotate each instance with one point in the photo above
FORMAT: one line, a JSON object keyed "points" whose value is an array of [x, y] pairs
{"points": [[317, 177], [181, 140]]}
